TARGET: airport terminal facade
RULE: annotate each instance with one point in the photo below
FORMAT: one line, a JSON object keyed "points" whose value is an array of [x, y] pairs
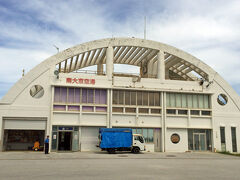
{"points": [[176, 101]]}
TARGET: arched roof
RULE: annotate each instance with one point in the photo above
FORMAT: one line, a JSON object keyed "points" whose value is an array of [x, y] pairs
{"points": [[132, 51]]}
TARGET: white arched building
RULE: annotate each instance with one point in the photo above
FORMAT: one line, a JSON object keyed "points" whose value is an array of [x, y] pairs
{"points": [[176, 101]]}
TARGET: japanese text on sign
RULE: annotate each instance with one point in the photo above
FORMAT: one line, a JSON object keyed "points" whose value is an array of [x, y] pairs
{"points": [[80, 81]]}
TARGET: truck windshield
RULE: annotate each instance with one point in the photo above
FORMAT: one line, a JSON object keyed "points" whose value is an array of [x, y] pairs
{"points": [[139, 138]]}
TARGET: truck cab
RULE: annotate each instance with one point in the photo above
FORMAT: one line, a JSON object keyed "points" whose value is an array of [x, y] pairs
{"points": [[138, 143]]}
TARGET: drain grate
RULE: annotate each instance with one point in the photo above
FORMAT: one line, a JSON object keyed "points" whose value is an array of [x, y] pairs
{"points": [[122, 156], [171, 156]]}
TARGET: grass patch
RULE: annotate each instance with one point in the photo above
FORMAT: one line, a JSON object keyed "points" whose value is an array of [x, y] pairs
{"points": [[228, 153]]}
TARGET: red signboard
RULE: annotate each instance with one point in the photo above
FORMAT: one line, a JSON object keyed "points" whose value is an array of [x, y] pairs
{"points": [[80, 81]]}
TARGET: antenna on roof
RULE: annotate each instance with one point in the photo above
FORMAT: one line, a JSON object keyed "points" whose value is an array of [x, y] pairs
{"points": [[145, 27], [56, 47], [23, 72]]}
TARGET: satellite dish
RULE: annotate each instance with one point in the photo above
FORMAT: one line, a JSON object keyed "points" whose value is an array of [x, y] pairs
{"points": [[56, 72]]}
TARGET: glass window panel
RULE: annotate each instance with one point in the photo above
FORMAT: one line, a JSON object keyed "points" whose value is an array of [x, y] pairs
{"points": [[84, 96], [77, 95], [115, 97], [121, 97], [70, 95], [63, 96], [133, 97], [134, 131], [59, 108], [130, 110], [87, 109], [145, 134], [150, 135], [189, 101], [195, 112], [151, 99], [139, 131], [145, 98], [103, 96], [73, 108], [127, 98], [206, 101], [168, 100], [156, 111], [184, 100], [172, 100], [57, 94], [171, 111], [195, 101], [97, 96], [157, 98], [117, 109], [143, 110], [101, 109], [206, 113], [200, 101], [234, 139], [90, 95], [178, 100], [183, 112], [139, 98]]}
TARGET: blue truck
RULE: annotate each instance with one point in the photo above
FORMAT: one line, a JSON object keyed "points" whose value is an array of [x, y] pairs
{"points": [[120, 139]]}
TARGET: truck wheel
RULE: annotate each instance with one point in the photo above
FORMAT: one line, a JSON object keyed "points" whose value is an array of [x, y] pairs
{"points": [[136, 150], [111, 151]]}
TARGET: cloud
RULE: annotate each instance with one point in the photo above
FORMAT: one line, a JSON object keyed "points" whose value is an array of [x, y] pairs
{"points": [[209, 30]]}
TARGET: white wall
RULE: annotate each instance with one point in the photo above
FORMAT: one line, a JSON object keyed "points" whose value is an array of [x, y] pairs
{"points": [[182, 146]]}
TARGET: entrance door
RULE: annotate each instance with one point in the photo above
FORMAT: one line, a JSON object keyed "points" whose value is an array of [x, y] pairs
{"points": [[65, 143], [199, 142], [157, 142]]}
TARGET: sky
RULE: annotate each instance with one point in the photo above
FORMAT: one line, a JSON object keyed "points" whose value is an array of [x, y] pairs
{"points": [[29, 29]]}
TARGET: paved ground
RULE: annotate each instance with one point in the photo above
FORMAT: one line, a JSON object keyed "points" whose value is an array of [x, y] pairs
{"points": [[100, 165]]}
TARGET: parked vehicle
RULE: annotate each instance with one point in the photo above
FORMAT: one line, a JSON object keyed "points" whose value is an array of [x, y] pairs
{"points": [[120, 139]]}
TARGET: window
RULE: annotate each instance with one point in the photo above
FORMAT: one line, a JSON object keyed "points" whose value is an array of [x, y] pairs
{"points": [[181, 100], [171, 111], [234, 139], [127, 98], [143, 110], [117, 109], [175, 138], [146, 133], [222, 99], [222, 136], [156, 111], [130, 110], [206, 113], [182, 112], [195, 112]]}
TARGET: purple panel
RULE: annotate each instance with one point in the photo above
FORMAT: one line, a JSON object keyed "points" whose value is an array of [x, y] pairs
{"points": [[71, 95], [73, 108], [97, 96], [103, 97], [90, 95], [77, 95], [84, 95], [59, 108], [87, 108], [63, 97], [56, 94], [101, 109]]}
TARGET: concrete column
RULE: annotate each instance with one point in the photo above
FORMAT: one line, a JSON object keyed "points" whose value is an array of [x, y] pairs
{"points": [[160, 66], [100, 69], [109, 62], [164, 129]]}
